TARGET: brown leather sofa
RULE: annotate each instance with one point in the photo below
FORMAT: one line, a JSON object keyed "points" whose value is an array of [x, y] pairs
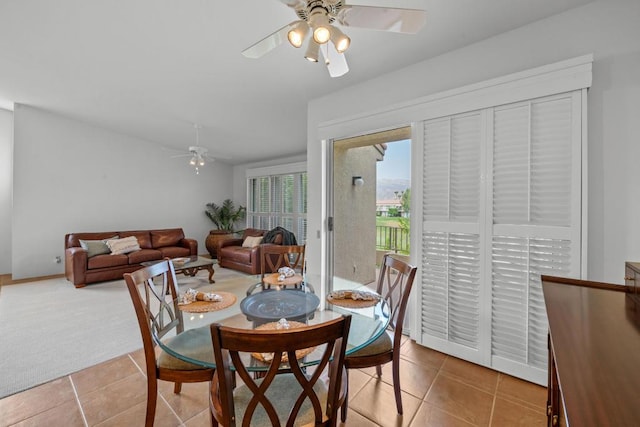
{"points": [[81, 269], [231, 253]]}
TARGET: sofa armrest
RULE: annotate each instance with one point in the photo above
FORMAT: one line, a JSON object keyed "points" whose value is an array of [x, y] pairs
{"points": [[191, 244], [75, 266], [230, 242]]}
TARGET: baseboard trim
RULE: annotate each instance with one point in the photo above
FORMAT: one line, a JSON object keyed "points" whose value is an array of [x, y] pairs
{"points": [[5, 279]]}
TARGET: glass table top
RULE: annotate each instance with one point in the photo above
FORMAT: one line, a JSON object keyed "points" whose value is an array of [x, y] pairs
{"points": [[367, 324]]}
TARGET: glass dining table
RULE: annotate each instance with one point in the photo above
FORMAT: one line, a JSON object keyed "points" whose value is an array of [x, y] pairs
{"points": [[276, 309]]}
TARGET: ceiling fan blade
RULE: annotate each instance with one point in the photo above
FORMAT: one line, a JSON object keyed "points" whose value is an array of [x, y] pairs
{"points": [[268, 43], [382, 18], [336, 62]]}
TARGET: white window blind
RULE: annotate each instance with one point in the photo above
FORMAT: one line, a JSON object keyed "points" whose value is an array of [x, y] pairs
{"points": [[278, 200], [492, 225]]}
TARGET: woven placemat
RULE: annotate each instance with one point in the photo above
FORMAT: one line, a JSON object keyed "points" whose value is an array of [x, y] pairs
{"points": [[352, 303], [272, 326], [228, 299], [272, 279]]}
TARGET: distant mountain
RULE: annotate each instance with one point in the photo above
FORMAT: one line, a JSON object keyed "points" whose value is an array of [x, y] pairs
{"points": [[385, 188]]}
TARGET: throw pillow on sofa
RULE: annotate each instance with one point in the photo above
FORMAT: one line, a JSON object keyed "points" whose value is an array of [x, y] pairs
{"points": [[96, 247], [252, 241], [124, 245]]}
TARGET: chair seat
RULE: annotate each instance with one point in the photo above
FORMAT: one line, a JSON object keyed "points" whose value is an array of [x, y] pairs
{"points": [[194, 343], [282, 393], [382, 344]]}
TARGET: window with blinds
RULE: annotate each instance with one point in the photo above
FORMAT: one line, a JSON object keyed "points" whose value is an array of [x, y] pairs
{"points": [[501, 205], [278, 200]]}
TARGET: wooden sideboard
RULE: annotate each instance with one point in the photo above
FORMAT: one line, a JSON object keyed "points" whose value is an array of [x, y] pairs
{"points": [[594, 353]]}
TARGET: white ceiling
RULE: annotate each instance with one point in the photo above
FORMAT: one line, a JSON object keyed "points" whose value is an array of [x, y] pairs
{"points": [[153, 68]]}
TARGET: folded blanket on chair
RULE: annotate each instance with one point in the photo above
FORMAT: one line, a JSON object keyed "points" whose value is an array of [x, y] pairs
{"points": [[288, 238]]}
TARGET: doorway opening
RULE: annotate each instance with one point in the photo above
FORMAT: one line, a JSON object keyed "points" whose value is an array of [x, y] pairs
{"points": [[370, 209]]}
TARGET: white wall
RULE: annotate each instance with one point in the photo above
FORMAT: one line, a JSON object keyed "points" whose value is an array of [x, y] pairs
{"points": [[6, 147], [610, 30], [70, 177]]}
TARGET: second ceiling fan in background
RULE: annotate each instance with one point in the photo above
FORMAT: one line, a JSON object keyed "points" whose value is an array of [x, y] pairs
{"points": [[316, 23]]}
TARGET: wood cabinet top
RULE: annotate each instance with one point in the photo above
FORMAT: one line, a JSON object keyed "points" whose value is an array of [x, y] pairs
{"points": [[595, 336]]}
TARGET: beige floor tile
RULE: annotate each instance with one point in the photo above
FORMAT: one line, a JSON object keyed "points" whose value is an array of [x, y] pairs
{"points": [[138, 358], [377, 402], [193, 398], [357, 380], [430, 416], [354, 419], [415, 379], [29, 403], [523, 392], [95, 377], [422, 355], [115, 398], [66, 415], [471, 374], [455, 397], [200, 420], [507, 413], [135, 416]]}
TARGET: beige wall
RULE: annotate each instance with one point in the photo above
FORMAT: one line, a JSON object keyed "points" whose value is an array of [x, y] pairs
{"points": [[355, 213]]}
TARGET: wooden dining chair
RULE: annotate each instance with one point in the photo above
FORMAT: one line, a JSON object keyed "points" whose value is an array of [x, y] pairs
{"points": [[394, 285], [285, 393], [154, 296], [274, 257]]}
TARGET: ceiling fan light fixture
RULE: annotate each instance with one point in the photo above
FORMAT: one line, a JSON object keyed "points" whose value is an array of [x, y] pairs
{"points": [[321, 35], [340, 40], [298, 33], [319, 22], [312, 51]]}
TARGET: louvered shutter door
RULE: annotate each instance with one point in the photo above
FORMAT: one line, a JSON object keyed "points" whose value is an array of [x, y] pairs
{"points": [[534, 186], [486, 243], [451, 233]]}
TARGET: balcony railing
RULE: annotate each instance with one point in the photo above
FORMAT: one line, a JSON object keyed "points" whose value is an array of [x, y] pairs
{"points": [[394, 239]]}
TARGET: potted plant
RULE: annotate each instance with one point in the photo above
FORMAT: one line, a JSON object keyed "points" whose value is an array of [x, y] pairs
{"points": [[224, 217]]}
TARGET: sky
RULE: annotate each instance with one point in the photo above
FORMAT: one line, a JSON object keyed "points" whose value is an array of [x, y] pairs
{"points": [[397, 161]]}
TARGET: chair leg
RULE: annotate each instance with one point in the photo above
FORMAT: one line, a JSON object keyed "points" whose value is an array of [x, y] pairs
{"points": [[396, 383], [152, 396], [345, 404], [177, 387], [379, 371]]}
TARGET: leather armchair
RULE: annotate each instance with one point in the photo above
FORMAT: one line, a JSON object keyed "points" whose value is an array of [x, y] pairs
{"points": [[231, 253]]}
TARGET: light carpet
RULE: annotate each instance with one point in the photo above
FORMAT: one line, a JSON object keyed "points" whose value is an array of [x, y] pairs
{"points": [[49, 329]]}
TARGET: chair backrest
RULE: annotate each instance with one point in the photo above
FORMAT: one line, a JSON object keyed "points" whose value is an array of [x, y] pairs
{"points": [[394, 285], [228, 343], [150, 287], [273, 257]]}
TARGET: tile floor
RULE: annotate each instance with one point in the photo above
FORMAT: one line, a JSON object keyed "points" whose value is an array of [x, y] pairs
{"points": [[438, 390]]}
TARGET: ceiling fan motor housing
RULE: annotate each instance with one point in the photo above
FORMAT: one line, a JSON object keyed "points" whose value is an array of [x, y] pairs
{"points": [[330, 8]]}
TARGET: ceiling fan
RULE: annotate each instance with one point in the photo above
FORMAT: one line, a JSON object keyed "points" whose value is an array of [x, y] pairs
{"points": [[318, 17], [199, 154]]}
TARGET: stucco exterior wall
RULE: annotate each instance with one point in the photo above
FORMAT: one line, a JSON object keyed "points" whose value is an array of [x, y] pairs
{"points": [[355, 213]]}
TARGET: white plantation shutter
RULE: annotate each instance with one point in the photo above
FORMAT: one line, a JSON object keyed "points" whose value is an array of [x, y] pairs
{"points": [[451, 242], [485, 243], [278, 200], [533, 228]]}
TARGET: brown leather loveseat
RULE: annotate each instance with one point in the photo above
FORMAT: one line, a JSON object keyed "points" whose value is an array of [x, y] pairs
{"points": [[243, 254], [88, 259]]}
